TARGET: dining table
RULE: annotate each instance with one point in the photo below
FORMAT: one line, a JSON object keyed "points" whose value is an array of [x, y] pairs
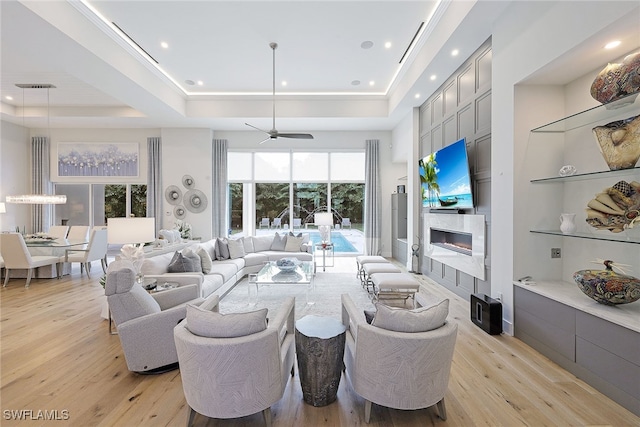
{"points": [[52, 247]]}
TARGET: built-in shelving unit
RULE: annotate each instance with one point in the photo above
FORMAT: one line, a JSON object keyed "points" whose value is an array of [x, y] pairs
{"points": [[624, 107], [554, 316]]}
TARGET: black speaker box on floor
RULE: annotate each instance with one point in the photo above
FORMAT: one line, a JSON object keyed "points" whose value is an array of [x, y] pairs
{"points": [[486, 313]]}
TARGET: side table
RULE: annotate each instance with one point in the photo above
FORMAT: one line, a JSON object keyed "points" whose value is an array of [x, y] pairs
{"points": [[325, 247], [320, 350]]}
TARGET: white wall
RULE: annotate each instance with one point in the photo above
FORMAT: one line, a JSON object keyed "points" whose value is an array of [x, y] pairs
{"points": [[188, 152], [15, 175], [526, 37]]}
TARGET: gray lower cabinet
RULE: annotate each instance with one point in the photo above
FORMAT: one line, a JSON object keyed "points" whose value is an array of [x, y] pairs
{"points": [[399, 227], [602, 353]]}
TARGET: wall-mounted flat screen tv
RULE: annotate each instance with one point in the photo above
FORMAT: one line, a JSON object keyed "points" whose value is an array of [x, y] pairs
{"points": [[445, 182]]}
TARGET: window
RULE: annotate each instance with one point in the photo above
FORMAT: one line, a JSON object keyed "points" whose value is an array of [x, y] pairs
{"points": [[92, 204], [288, 185]]}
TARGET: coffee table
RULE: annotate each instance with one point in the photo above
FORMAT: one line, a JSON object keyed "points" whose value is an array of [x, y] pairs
{"points": [[271, 274]]}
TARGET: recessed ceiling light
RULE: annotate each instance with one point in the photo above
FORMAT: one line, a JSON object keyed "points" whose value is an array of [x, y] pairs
{"points": [[366, 44], [200, 82], [355, 82], [455, 52], [612, 44], [416, 96], [164, 45], [433, 77], [284, 83], [372, 83], [190, 82], [387, 45], [9, 97]]}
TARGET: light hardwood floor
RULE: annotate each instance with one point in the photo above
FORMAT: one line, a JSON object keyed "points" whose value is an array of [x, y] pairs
{"points": [[58, 356]]}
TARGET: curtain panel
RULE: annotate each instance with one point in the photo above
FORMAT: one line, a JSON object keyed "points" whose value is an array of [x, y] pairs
{"points": [[372, 199], [220, 222], [41, 214], [154, 181]]}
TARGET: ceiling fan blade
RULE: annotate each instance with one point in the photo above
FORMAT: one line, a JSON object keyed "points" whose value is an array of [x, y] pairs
{"points": [[270, 138], [261, 130], [296, 135]]}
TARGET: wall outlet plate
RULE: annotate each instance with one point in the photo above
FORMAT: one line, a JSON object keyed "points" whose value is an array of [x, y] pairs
{"points": [[555, 253]]}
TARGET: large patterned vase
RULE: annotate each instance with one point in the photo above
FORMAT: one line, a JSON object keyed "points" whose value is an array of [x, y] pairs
{"points": [[607, 286]]}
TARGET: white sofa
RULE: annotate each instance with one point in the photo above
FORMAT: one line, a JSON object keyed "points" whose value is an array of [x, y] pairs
{"points": [[225, 273]]}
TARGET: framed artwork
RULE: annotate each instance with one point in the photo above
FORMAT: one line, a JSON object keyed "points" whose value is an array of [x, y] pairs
{"points": [[101, 159]]}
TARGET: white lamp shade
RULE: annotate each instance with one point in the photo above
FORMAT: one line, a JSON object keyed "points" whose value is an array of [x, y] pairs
{"points": [[323, 218], [131, 230]]}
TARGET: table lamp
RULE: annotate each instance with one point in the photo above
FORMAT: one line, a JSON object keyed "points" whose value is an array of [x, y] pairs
{"points": [[324, 221]]}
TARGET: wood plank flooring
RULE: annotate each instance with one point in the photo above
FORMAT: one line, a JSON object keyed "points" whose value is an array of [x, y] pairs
{"points": [[57, 355]]}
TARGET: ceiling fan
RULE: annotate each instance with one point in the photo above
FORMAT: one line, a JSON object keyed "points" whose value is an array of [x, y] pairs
{"points": [[273, 133]]}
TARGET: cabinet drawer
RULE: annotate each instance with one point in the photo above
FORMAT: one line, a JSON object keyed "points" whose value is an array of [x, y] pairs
{"points": [[611, 368], [549, 334], [614, 338], [554, 313]]}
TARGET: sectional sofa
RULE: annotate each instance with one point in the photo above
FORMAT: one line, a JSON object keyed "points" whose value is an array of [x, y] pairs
{"points": [[218, 264]]}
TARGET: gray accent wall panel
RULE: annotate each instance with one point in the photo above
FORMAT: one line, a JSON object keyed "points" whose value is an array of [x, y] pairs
{"points": [[461, 108]]}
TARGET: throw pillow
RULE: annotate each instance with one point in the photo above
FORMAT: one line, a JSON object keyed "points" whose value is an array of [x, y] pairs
{"points": [[262, 243], [205, 259], [191, 254], [182, 264], [236, 248], [222, 249], [212, 324], [279, 242], [293, 244], [369, 315], [295, 235], [248, 245], [421, 319]]}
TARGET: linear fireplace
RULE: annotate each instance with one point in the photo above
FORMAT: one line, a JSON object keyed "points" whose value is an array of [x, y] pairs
{"points": [[452, 240], [457, 241]]}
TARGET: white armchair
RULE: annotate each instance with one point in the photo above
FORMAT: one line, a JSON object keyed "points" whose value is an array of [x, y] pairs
{"points": [[145, 321], [401, 370], [237, 375]]}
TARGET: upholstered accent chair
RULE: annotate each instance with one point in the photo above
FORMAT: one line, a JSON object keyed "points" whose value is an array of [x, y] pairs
{"points": [[96, 251], [145, 321], [400, 370], [235, 371], [16, 256]]}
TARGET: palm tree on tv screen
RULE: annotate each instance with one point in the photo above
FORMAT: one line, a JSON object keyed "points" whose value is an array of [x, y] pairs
{"points": [[429, 176]]}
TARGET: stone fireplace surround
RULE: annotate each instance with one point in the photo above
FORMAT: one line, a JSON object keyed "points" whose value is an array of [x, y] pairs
{"points": [[456, 240]]}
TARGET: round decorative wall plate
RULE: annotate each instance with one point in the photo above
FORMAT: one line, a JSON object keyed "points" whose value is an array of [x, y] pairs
{"points": [[195, 201], [179, 212], [188, 181], [173, 194]]}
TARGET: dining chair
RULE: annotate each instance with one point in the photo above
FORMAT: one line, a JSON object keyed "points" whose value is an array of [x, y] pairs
{"points": [[16, 256], [58, 231], [78, 232], [96, 250]]}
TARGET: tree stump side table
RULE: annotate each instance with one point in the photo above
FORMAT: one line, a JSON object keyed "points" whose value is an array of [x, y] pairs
{"points": [[320, 350]]}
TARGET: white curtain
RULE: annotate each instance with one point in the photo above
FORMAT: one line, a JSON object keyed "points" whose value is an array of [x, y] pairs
{"points": [[220, 223], [372, 199], [154, 181], [40, 183]]}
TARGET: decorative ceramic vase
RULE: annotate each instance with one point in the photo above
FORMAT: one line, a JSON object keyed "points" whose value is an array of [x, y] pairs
{"points": [[619, 142], [616, 81], [568, 223], [608, 287]]}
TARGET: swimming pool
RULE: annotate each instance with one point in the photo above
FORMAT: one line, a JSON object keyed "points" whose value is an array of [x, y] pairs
{"points": [[340, 243]]}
